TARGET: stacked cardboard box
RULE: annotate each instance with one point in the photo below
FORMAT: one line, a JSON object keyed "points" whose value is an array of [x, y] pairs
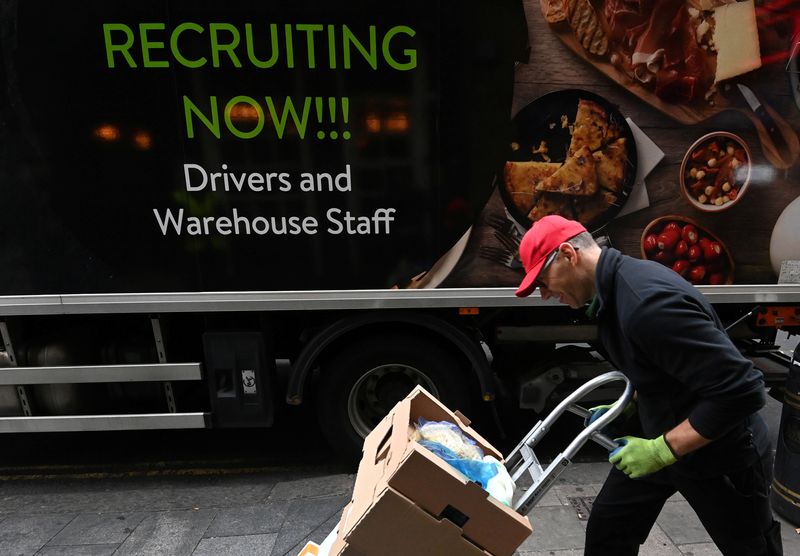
{"points": [[407, 501]]}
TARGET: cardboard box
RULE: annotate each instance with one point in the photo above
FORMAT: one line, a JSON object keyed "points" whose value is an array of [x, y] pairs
{"points": [[406, 494], [395, 526], [333, 545], [340, 548], [310, 549]]}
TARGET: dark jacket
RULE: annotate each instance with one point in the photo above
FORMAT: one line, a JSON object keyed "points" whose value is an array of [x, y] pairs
{"points": [[662, 333]]}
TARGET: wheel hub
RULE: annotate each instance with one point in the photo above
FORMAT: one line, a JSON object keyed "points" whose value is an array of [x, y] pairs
{"points": [[379, 389]]}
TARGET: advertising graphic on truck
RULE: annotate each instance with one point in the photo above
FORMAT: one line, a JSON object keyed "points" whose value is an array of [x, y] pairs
{"points": [[211, 209], [183, 146]]}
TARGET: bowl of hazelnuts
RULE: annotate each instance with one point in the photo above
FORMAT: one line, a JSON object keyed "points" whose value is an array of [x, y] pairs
{"points": [[715, 173]]}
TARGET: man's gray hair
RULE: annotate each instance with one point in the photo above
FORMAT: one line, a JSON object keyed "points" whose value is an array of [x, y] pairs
{"points": [[584, 240]]}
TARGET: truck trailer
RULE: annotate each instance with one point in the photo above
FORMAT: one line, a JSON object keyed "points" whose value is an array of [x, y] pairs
{"points": [[212, 209]]}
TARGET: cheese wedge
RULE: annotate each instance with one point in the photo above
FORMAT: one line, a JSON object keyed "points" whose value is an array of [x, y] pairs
{"points": [[736, 40]]}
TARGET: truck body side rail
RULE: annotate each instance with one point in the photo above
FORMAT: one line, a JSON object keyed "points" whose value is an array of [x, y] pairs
{"points": [[76, 423], [186, 302], [87, 374]]}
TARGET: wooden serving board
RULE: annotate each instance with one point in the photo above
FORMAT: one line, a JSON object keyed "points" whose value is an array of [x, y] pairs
{"points": [[688, 114], [683, 113]]}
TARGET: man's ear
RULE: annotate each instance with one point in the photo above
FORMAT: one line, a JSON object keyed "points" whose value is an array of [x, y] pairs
{"points": [[568, 251]]}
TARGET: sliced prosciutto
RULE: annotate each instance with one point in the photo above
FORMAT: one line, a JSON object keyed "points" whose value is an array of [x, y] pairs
{"points": [[659, 45]]}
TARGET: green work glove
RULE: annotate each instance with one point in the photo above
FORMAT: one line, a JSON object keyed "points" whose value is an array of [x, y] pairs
{"points": [[599, 410], [637, 457]]}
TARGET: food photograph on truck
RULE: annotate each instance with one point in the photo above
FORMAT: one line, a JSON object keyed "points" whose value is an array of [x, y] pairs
{"points": [[689, 119]]}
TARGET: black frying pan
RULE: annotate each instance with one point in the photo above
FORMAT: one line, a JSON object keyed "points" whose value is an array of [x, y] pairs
{"points": [[541, 120]]}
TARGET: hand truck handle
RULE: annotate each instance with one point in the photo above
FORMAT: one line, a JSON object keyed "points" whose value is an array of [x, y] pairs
{"points": [[593, 431], [522, 459], [601, 438]]}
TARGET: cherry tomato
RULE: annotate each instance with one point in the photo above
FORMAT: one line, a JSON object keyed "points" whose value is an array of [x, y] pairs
{"points": [[650, 243], [697, 273], [716, 279], [668, 239], [711, 251], [672, 226], [681, 266], [664, 257], [695, 253], [681, 249], [689, 234]]}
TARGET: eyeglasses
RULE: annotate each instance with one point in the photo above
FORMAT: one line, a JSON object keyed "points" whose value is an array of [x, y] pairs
{"points": [[550, 258]]}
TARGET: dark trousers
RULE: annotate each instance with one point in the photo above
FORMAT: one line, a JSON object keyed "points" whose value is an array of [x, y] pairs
{"points": [[734, 509]]}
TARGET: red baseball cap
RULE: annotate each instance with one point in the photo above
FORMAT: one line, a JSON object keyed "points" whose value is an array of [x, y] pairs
{"points": [[539, 242]]}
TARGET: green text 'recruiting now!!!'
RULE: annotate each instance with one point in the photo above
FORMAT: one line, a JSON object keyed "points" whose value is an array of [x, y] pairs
{"points": [[300, 45]]}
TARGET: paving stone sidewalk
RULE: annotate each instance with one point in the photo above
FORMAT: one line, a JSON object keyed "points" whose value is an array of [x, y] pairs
{"points": [[271, 514]]}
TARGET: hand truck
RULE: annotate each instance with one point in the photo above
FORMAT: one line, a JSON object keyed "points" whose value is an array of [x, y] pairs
{"points": [[522, 459]]}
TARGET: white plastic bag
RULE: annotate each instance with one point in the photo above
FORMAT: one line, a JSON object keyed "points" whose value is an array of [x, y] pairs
{"points": [[501, 486], [448, 442], [450, 436]]}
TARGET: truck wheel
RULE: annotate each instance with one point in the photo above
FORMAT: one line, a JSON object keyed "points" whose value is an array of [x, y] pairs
{"points": [[361, 384]]}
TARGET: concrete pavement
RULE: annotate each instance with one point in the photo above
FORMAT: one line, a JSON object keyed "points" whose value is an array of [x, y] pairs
{"points": [[558, 530], [272, 513]]}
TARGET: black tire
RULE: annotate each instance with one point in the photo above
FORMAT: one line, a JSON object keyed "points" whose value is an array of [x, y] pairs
{"points": [[362, 383]]}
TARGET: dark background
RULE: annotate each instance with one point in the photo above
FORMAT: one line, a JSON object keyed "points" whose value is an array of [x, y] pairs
{"points": [[77, 211]]}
